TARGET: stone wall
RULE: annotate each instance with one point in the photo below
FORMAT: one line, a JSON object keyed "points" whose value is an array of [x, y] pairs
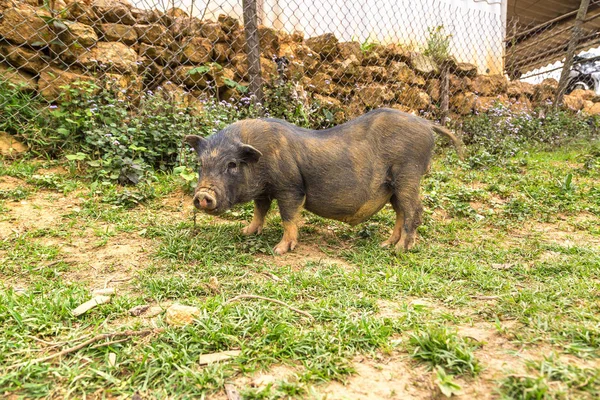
{"points": [[44, 49]]}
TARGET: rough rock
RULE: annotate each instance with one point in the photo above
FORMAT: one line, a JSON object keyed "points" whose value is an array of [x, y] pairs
{"points": [[489, 85], [195, 50], [146, 17], [573, 102], [221, 52], [109, 56], [395, 52], [176, 12], [79, 11], [76, 32], [593, 108], [198, 76], [180, 315], [464, 69], [228, 24], [268, 69], [213, 32], [485, 104], [584, 94], [518, 89], [413, 98], [322, 83], [325, 45], [346, 50], [400, 72], [372, 96], [463, 103], [159, 54], [458, 84], [269, 41], [10, 146], [24, 26], [297, 36], [520, 105], [433, 89], [350, 67], [118, 33], [327, 101], [423, 64], [20, 79], [545, 91], [51, 81], [23, 59], [115, 11], [237, 41], [375, 73], [126, 87], [300, 53], [153, 34], [185, 27]]}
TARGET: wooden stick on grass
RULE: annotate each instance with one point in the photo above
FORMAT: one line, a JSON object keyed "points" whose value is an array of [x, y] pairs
{"points": [[80, 346]]}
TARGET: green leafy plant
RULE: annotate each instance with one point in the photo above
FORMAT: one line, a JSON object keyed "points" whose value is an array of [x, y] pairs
{"points": [[440, 347], [446, 383], [438, 44]]}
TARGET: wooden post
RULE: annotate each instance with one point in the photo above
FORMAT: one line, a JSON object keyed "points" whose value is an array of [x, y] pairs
{"points": [[444, 93], [253, 49], [575, 36]]}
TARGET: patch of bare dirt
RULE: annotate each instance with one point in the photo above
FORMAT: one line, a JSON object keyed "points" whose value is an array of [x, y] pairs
{"points": [[41, 210], [565, 235], [114, 262], [392, 378]]}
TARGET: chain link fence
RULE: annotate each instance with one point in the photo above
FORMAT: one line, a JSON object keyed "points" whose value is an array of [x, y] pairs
{"points": [[336, 59]]}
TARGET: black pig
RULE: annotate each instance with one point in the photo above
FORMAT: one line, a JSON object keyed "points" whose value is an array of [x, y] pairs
{"points": [[347, 173]]}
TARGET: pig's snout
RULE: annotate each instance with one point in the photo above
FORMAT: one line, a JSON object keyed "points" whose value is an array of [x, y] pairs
{"points": [[205, 201]]}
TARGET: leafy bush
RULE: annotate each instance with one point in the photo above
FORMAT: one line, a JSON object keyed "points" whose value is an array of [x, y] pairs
{"points": [[19, 109], [438, 44], [502, 133]]}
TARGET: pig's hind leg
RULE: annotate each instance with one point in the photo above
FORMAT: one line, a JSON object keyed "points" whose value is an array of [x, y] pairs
{"points": [[289, 208], [408, 202], [397, 232], [261, 208]]}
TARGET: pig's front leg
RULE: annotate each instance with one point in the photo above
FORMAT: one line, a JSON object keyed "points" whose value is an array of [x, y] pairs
{"points": [[261, 208], [289, 208]]}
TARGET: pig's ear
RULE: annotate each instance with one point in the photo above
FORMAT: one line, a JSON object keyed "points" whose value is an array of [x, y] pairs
{"points": [[249, 154], [197, 142]]}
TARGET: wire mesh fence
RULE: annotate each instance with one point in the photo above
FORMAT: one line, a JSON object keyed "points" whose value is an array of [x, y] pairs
{"points": [[332, 59]]}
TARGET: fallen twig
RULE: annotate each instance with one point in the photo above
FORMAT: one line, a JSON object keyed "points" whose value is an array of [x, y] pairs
{"points": [[485, 297], [252, 296], [96, 338], [109, 343], [109, 280]]}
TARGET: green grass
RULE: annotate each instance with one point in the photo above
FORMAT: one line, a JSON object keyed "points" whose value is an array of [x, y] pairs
{"points": [[513, 248], [440, 347]]}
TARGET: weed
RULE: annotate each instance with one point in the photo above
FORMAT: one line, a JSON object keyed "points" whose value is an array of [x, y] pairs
{"points": [[439, 346]]}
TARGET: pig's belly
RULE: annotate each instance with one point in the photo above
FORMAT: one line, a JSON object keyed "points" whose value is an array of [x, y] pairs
{"points": [[352, 209]]}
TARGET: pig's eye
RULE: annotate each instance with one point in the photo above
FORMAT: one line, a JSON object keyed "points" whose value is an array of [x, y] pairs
{"points": [[232, 166]]}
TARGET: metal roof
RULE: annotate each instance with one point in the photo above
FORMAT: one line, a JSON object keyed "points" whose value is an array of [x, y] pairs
{"points": [[538, 32]]}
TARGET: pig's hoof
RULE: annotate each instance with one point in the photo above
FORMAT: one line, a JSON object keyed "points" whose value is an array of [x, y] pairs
{"points": [[284, 246], [388, 243], [251, 230], [406, 246]]}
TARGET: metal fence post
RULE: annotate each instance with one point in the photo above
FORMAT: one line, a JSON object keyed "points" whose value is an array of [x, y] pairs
{"points": [[575, 36], [253, 48]]}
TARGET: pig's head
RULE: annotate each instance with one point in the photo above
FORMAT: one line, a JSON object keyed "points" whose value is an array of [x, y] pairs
{"points": [[224, 176]]}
